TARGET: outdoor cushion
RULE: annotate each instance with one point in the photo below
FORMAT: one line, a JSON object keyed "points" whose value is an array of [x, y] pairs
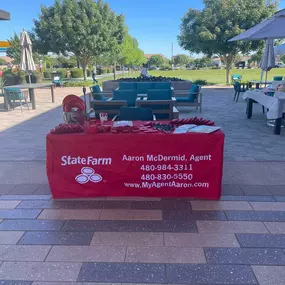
{"points": [[162, 85], [95, 89], [236, 77], [129, 95], [96, 92], [159, 94], [135, 114], [142, 87], [16, 93], [278, 78], [127, 85], [183, 99], [194, 89]]}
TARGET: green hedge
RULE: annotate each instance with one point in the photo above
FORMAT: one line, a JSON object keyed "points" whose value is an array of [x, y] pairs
{"points": [[200, 82], [62, 72], [78, 84], [76, 73]]}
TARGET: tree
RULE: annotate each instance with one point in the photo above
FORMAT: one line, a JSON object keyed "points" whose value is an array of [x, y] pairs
{"points": [[257, 56], [14, 51], [127, 53], [156, 60], [181, 59], [209, 30], [66, 62], [82, 28]]}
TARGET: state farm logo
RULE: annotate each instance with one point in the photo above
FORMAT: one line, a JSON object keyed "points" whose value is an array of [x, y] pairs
{"points": [[88, 174]]}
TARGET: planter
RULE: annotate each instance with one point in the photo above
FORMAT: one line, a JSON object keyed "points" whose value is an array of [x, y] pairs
{"points": [[12, 80]]}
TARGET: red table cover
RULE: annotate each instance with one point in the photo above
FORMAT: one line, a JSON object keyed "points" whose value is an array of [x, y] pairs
{"points": [[141, 164]]}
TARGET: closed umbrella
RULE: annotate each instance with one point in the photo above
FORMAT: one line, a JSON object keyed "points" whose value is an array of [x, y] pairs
{"points": [[27, 63], [268, 59]]}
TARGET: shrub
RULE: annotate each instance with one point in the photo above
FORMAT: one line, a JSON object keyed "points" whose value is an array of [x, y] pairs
{"points": [[76, 73], [200, 82], [88, 72], [106, 70], [165, 67], [78, 84], [62, 72], [47, 73]]}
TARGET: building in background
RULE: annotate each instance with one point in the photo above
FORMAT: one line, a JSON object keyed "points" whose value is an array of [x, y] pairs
{"points": [[151, 54]]}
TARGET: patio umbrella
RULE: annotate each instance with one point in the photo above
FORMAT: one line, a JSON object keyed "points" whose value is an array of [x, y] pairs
{"points": [[27, 63], [271, 28], [280, 50], [268, 59]]}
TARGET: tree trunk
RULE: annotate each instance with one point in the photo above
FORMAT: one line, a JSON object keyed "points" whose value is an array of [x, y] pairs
{"points": [[229, 60], [228, 70], [115, 64], [77, 61], [84, 70]]}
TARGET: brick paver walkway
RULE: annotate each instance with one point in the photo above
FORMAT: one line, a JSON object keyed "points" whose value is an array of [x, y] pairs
{"points": [[238, 240]]}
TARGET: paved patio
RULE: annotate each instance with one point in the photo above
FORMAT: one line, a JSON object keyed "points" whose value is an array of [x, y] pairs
{"points": [[238, 240]]}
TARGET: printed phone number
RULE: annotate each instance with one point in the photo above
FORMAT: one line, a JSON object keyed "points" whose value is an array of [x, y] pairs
{"points": [[175, 167], [176, 176]]}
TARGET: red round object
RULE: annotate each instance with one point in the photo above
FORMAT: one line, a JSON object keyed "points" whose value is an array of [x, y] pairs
{"points": [[75, 103], [72, 101]]}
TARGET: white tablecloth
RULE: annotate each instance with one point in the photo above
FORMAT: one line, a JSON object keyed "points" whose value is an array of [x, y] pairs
{"points": [[275, 104]]}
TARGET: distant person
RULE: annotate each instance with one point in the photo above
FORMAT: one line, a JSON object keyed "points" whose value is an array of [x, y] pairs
{"points": [[144, 71], [93, 76]]}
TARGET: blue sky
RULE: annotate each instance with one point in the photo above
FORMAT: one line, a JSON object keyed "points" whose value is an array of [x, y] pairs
{"points": [[155, 23]]}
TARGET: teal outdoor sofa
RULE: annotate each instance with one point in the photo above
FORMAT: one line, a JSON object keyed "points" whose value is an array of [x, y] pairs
{"points": [[143, 87], [161, 102]]}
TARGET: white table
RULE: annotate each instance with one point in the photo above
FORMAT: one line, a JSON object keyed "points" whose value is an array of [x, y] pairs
{"points": [[275, 106]]}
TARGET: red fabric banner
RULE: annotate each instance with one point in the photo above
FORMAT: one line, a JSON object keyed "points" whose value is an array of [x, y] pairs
{"points": [[143, 164]]}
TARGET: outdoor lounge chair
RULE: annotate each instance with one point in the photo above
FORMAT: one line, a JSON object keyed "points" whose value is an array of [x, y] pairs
{"points": [[194, 97], [11, 95], [97, 93], [111, 107], [238, 89], [57, 82]]}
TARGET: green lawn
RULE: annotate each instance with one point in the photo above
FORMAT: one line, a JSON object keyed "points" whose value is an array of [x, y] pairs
{"points": [[217, 76], [213, 76]]}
